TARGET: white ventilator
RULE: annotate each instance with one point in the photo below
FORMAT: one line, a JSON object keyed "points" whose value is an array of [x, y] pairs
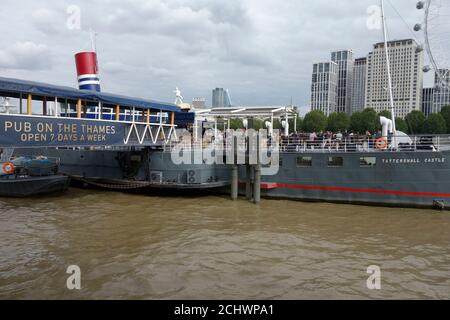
{"points": [[387, 127], [400, 137]]}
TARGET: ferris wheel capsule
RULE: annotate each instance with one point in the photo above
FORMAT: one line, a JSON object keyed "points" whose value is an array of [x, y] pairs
{"points": [[434, 27]]}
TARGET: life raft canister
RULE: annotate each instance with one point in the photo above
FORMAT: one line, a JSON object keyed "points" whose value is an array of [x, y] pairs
{"points": [[8, 168], [381, 143]]}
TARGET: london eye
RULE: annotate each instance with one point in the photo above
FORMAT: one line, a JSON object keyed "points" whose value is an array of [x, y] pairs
{"points": [[436, 32]]}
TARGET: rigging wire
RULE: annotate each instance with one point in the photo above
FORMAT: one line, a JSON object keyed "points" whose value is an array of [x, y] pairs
{"points": [[404, 21]]}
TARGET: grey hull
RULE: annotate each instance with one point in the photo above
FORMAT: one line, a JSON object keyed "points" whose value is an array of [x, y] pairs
{"points": [[398, 178], [401, 179]]}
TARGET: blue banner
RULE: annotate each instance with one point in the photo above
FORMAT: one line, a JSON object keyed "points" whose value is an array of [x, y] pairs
{"points": [[26, 131]]}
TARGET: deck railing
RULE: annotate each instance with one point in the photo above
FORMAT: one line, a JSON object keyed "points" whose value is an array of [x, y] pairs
{"points": [[293, 144], [366, 144]]}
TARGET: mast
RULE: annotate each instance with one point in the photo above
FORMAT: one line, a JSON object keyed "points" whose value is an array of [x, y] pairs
{"points": [[93, 40], [388, 64]]}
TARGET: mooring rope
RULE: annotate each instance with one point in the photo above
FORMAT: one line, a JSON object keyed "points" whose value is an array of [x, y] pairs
{"points": [[125, 186]]}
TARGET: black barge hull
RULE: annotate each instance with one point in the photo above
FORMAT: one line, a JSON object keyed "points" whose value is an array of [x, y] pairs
{"points": [[33, 186]]}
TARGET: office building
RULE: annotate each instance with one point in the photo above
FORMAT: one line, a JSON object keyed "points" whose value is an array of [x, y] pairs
{"points": [[199, 103], [407, 77], [344, 60], [221, 98], [427, 101], [441, 94], [359, 85], [324, 87]]}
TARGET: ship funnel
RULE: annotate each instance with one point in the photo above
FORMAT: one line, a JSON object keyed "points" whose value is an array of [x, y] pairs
{"points": [[87, 71], [387, 126]]}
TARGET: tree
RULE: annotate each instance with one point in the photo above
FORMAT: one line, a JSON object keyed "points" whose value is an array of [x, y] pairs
{"points": [[356, 122], [445, 112], [292, 124], [338, 121], [258, 124], [277, 124], [236, 124], [367, 120], [435, 124], [315, 121], [415, 120], [386, 114], [401, 125], [370, 119]]}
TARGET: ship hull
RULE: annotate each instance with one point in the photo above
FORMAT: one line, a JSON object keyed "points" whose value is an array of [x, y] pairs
{"points": [[419, 179], [33, 186], [397, 179]]}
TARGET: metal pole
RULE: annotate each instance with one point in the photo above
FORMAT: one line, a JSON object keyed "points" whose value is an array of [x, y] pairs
{"points": [[248, 182], [215, 128], [257, 184], [295, 124], [257, 177], [391, 94], [56, 107], [195, 130], [234, 182], [286, 129]]}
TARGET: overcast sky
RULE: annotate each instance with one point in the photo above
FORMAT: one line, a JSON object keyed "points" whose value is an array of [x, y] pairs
{"points": [[261, 50]]}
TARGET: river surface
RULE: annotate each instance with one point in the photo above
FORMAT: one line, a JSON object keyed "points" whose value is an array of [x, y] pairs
{"points": [[209, 247]]}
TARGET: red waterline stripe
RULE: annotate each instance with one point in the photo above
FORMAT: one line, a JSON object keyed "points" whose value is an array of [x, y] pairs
{"points": [[405, 193]]}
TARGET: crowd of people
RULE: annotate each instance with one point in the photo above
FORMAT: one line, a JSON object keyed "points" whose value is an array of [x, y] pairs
{"points": [[339, 140]]}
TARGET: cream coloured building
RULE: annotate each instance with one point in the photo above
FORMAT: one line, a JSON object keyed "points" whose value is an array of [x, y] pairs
{"points": [[407, 77]]}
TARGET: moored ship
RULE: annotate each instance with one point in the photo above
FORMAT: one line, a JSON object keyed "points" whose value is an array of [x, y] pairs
{"points": [[31, 176]]}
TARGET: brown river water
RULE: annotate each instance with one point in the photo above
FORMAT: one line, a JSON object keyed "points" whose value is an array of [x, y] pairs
{"points": [[209, 247]]}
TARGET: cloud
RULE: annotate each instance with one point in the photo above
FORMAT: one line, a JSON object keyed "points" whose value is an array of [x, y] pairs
{"points": [[262, 50], [26, 55]]}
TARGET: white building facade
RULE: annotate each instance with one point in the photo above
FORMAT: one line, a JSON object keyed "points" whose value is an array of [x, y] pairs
{"points": [[324, 87], [407, 77]]}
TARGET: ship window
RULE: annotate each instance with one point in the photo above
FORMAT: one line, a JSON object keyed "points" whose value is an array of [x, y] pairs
{"points": [[335, 162], [304, 161], [270, 164], [367, 161]]}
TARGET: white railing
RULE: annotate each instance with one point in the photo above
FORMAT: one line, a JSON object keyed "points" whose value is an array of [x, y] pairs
{"points": [[295, 144], [365, 144]]}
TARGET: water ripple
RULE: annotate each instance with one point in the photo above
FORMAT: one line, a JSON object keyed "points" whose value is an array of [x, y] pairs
{"points": [[146, 247]]}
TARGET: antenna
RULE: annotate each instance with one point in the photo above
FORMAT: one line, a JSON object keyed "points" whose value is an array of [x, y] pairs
{"points": [[93, 40], [388, 65]]}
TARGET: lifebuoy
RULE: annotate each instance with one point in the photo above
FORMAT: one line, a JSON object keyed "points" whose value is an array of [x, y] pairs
{"points": [[381, 143], [8, 168]]}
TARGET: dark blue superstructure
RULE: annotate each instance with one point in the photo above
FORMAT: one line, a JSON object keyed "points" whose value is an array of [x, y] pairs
{"points": [[16, 87]]}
